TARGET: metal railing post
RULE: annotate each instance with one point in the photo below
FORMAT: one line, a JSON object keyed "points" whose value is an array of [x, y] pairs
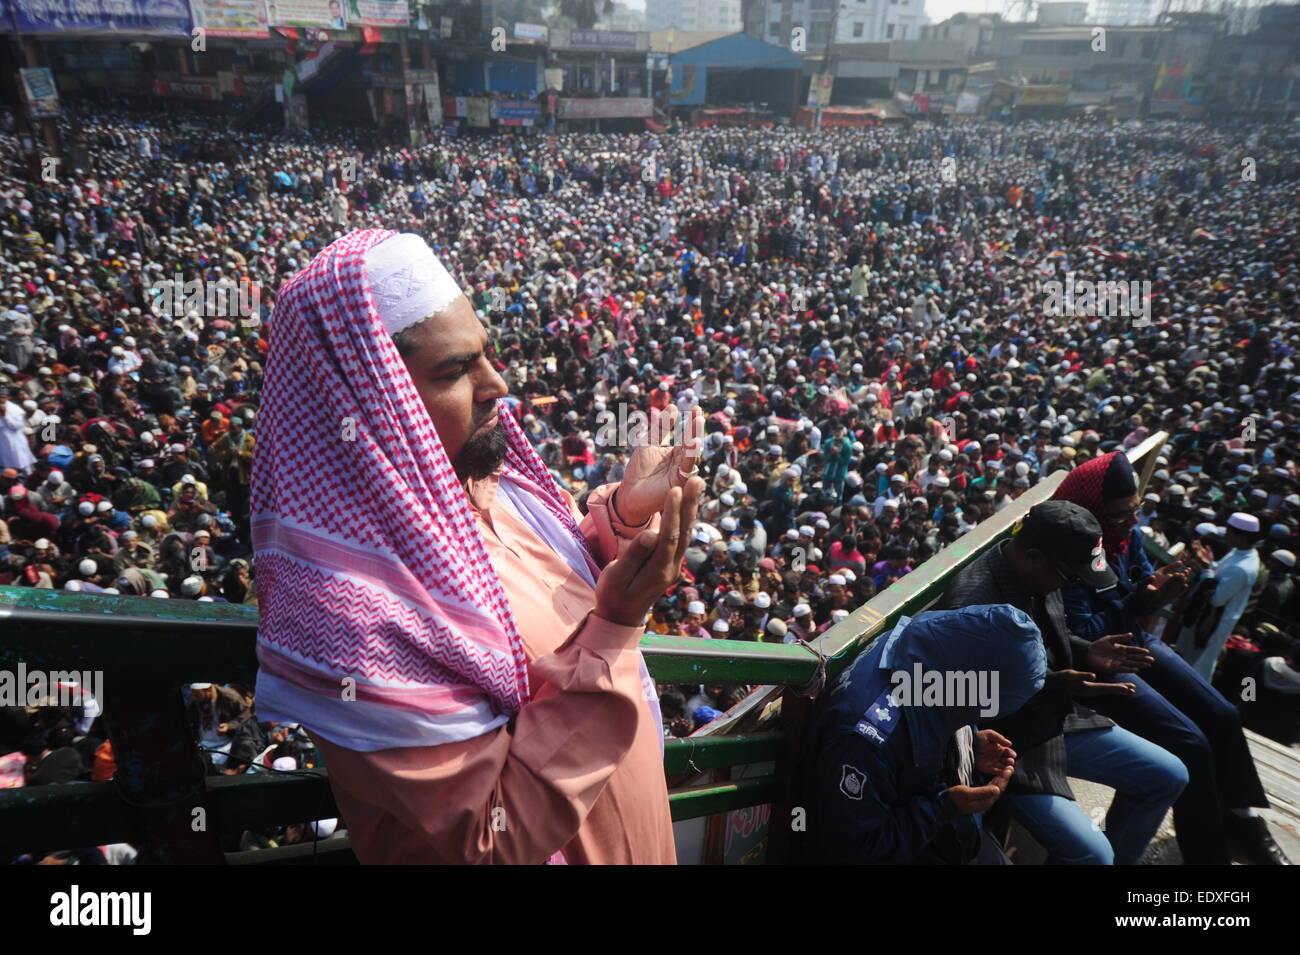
{"points": [[160, 773]]}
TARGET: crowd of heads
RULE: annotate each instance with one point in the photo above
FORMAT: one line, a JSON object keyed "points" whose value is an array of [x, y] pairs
{"points": [[865, 326]]}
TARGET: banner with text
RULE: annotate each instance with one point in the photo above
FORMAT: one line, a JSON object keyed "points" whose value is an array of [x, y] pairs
{"points": [[190, 88], [478, 110], [322, 14], [379, 13], [627, 107], [160, 17], [231, 18], [40, 92]]}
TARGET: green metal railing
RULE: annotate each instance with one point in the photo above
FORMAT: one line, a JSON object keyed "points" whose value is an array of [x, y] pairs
{"points": [[147, 649]]}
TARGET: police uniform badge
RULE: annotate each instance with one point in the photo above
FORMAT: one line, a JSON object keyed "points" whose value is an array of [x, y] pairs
{"points": [[852, 781], [879, 719]]}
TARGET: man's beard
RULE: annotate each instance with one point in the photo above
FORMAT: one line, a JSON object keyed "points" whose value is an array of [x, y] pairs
{"points": [[482, 454]]}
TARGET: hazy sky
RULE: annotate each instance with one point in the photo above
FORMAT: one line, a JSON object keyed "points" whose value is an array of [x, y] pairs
{"points": [[942, 9]]}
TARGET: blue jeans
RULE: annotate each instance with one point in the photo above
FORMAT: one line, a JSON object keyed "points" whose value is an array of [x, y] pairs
{"points": [[1178, 711], [1146, 780]]}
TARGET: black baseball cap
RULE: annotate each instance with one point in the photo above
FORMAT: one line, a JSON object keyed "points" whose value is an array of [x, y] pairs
{"points": [[1071, 536]]}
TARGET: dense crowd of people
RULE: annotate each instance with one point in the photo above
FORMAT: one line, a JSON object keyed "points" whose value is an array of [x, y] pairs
{"points": [[863, 325]]}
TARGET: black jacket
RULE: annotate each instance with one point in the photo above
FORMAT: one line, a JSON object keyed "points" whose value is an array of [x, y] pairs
{"points": [[1037, 730], [62, 765]]}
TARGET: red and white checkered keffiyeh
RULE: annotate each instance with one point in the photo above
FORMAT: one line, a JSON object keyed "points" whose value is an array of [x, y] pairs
{"points": [[383, 623]]}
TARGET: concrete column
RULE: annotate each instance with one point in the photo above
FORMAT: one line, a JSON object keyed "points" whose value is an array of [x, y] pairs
{"points": [[45, 130], [404, 58]]}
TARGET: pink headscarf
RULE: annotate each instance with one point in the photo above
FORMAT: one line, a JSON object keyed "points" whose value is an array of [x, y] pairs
{"points": [[383, 623]]}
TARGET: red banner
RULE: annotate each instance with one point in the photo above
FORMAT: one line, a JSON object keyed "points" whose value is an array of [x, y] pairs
{"points": [[193, 88]]}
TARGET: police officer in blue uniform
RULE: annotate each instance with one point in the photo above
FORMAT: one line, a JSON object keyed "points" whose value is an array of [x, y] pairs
{"points": [[893, 770]]}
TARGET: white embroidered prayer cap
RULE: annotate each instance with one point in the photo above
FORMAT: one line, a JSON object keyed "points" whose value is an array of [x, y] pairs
{"points": [[407, 281]]}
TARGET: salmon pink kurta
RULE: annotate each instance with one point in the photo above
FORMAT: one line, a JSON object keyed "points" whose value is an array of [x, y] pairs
{"points": [[581, 766]]}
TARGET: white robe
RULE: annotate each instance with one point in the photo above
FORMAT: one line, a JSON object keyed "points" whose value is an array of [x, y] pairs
{"points": [[15, 449], [1236, 575]]}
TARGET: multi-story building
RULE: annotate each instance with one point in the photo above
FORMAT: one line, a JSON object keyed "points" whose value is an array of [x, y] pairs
{"points": [[625, 17], [1125, 13], [1066, 13], [722, 16], [857, 21]]}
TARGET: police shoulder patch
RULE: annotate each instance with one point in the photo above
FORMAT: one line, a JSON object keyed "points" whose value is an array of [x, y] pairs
{"points": [[879, 719]]}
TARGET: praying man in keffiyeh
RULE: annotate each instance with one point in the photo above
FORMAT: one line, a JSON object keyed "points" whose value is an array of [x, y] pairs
{"points": [[459, 639]]}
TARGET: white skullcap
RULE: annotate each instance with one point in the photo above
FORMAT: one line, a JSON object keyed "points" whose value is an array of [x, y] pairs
{"points": [[284, 764], [43, 543], [838, 579], [762, 601], [324, 828], [159, 593], [721, 626], [801, 610], [407, 281], [1244, 522], [695, 606], [87, 567], [1284, 557]]}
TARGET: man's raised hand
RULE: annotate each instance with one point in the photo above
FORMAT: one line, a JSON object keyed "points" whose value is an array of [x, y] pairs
{"points": [[659, 465], [629, 585]]}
